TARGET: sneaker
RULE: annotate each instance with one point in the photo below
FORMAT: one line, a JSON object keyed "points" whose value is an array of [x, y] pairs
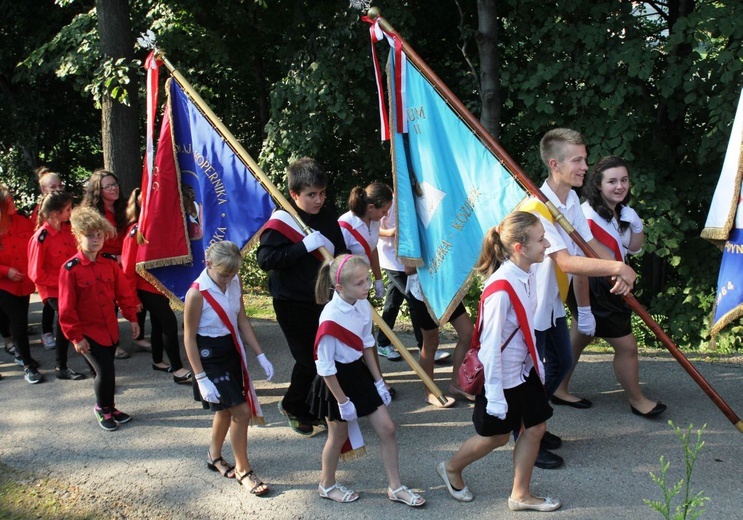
{"points": [[121, 417], [48, 340], [68, 373], [389, 352], [105, 419], [19, 361], [31, 375], [295, 424]]}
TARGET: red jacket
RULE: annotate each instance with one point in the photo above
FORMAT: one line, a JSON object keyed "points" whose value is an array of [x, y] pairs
{"points": [[113, 244], [13, 253], [87, 291], [129, 262], [48, 249]]}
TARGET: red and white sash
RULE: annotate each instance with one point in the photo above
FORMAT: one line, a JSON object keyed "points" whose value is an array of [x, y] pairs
{"points": [[284, 223], [256, 414], [358, 236], [350, 334], [605, 232]]}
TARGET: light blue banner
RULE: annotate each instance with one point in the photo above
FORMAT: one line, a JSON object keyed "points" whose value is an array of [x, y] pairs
{"points": [[463, 190]]}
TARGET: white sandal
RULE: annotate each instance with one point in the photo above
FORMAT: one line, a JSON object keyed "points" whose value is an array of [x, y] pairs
{"points": [[348, 494], [415, 499]]}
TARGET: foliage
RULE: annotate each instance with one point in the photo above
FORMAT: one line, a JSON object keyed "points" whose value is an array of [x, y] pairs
{"points": [[293, 78], [692, 504]]}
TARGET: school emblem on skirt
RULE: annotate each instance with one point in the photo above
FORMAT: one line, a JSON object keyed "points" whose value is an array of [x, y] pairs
{"points": [[206, 352]]}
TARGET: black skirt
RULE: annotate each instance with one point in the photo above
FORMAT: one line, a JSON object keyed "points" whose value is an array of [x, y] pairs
{"points": [[222, 365], [613, 314], [357, 383]]}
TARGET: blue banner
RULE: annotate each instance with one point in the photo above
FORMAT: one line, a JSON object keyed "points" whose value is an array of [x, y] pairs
{"points": [[450, 189], [729, 302], [222, 200]]}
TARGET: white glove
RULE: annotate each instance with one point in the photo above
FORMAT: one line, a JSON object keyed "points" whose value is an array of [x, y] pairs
{"points": [[379, 290], [586, 321], [495, 410], [383, 392], [630, 215], [313, 241], [208, 391], [266, 366], [348, 411]]}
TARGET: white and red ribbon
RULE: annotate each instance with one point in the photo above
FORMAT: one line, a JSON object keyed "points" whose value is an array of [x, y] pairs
{"points": [[377, 34]]}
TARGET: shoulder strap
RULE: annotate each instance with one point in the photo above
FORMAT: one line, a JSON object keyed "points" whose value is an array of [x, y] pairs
{"points": [[533, 205]]}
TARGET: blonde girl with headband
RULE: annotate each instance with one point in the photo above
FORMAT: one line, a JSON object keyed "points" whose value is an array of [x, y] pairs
{"points": [[513, 396], [348, 383], [216, 333]]}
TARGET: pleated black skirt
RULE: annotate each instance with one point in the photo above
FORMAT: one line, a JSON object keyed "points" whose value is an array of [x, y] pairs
{"points": [[357, 383]]}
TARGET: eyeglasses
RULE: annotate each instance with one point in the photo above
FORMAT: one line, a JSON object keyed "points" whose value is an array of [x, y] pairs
{"points": [[110, 187]]}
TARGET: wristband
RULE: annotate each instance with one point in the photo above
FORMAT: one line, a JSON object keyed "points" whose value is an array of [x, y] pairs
{"points": [[200, 375]]}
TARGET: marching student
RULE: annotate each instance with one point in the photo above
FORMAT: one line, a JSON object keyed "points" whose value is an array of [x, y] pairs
{"points": [[513, 395], [164, 323], [15, 285], [48, 181], [103, 193], [50, 247], [563, 152], [90, 286], [216, 330], [349, 384], [292, 261], [617, 226]]}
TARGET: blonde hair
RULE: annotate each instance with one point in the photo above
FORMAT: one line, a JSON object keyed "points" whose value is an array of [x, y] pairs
{"points": [[225, 254], [499, 240], [86, 220], [552, 145], [328, 275]]}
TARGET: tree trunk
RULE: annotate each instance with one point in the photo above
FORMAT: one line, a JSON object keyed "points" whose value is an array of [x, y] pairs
{"points": [[120, 129], [487, 46]]}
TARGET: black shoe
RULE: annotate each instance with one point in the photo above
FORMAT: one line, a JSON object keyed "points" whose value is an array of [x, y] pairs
{"points": [[659, 409], [68, 373], [582, 404], [548, 460], [167, 369], [185, 379], [550, 441], [31, 375]]}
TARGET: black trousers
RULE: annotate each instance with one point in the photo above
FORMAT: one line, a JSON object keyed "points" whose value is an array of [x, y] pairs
{"points": [[47, 319], [101, 359], [16, 311], [4, 325], [299, 322], [63, 344], [393, 299], [164, 328]]}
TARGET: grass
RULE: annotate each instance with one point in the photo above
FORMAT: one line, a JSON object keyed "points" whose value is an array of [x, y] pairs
{"points": [[23, 496]]}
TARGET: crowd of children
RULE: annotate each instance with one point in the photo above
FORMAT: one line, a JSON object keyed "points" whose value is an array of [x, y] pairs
{"points": [[81, 261]]}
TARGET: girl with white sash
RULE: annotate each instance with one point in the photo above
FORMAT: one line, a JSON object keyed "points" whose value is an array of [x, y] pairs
{"points": [[348, 383], [216, 331], [617, 226], [513, 396]]}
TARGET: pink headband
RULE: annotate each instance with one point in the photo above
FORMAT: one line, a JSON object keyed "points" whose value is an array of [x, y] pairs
{"points": [[338, 272]]}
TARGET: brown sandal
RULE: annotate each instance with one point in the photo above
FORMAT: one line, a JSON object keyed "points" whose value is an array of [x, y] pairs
{"points": [[257, 483], [217, 464]]}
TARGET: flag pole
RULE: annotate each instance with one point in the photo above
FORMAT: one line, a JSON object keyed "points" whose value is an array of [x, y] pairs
{"points": [[271, 188], [489, 141]]}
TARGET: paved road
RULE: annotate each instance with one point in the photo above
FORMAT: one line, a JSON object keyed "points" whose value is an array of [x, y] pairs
{"points": [[154, 467]]}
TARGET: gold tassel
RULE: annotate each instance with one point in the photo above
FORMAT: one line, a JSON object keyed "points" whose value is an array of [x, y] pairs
{"points": [[356, 454]]}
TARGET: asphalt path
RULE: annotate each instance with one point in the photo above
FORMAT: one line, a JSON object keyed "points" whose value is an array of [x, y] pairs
{"points": [[154, 466]]}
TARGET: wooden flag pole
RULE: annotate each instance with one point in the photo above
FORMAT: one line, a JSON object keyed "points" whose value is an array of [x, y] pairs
{"points": [[271, 188], [489, 141]]}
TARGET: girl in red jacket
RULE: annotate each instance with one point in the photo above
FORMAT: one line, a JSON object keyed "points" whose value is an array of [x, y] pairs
{"points": [[50, 247], [15, 286]]}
